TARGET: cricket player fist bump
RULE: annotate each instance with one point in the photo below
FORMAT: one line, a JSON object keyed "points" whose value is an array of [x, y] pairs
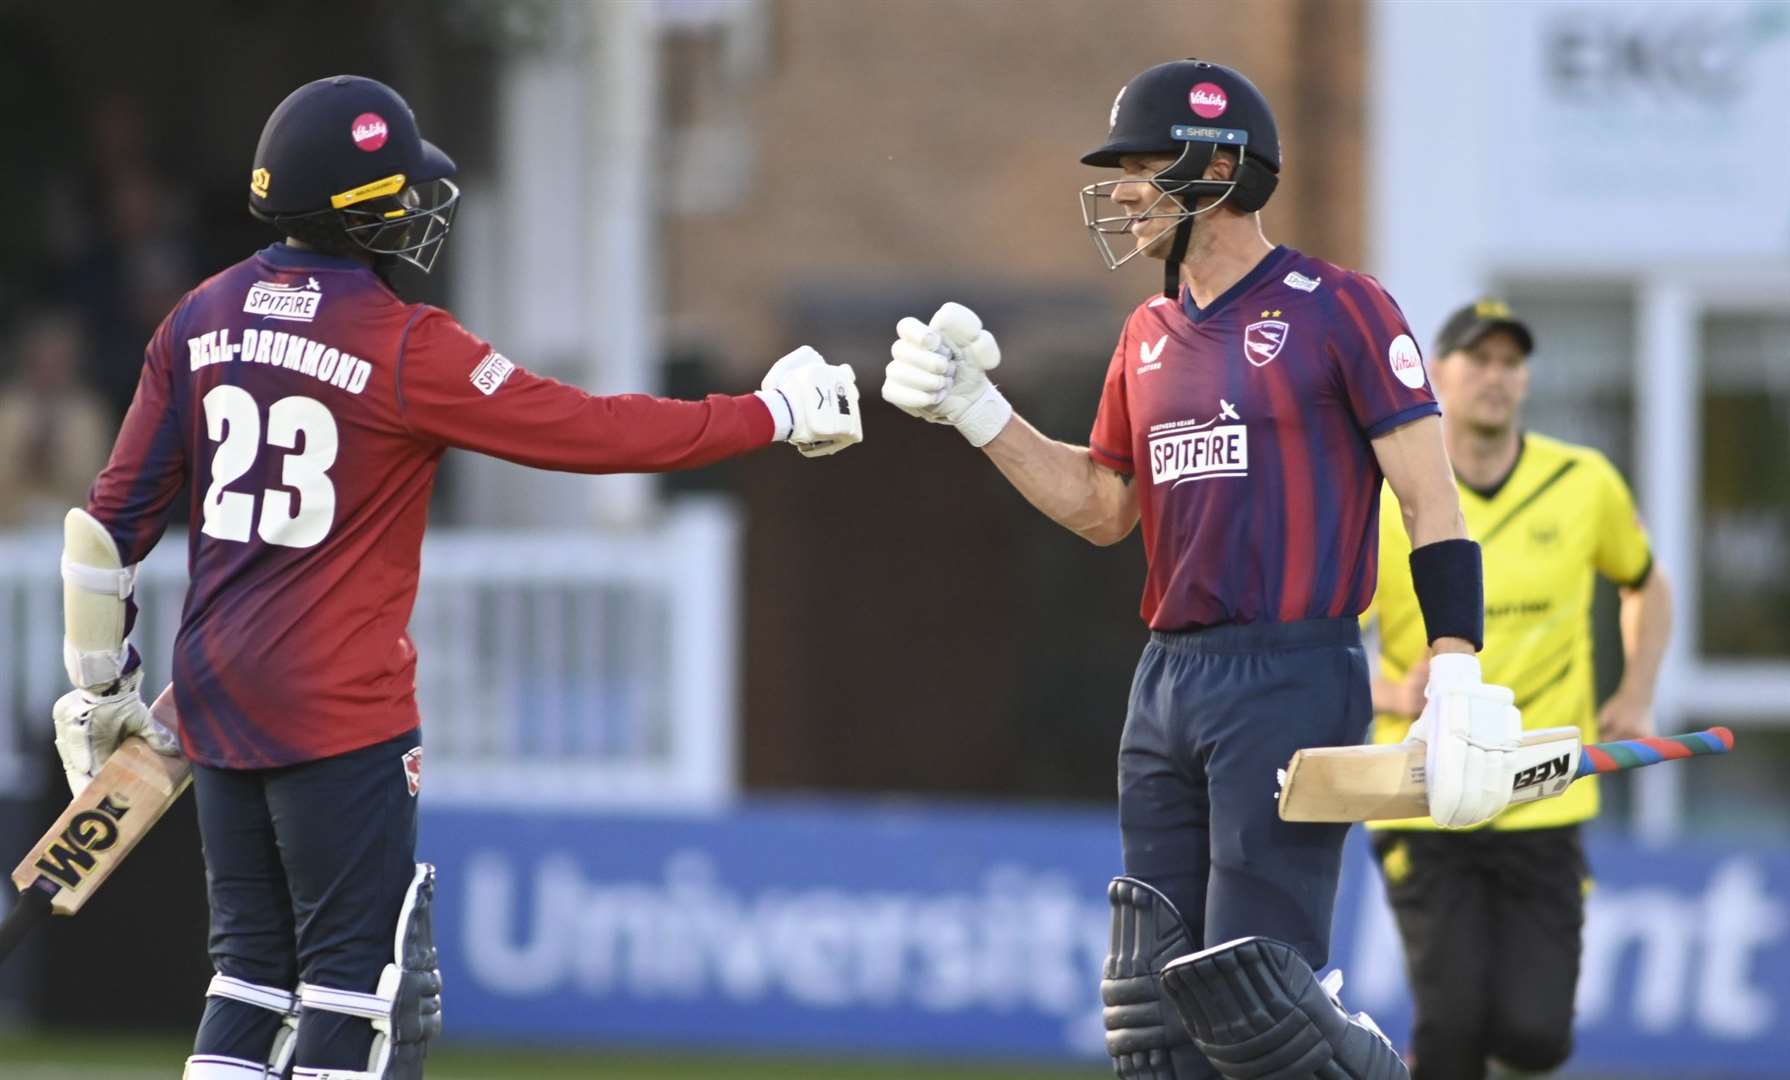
{"points": [[939, 372], [814, 403], [1472, 733]]}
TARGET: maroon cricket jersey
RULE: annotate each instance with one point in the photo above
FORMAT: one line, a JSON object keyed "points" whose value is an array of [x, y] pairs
{"points": [[310, 407], [1247, 425]]}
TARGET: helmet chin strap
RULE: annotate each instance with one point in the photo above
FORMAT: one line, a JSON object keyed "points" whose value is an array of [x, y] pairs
{"points": [[1171, 271]]}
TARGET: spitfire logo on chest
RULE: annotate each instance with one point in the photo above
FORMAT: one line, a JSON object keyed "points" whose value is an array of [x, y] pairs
{"points": [[1263, 339], [1187, 450]]}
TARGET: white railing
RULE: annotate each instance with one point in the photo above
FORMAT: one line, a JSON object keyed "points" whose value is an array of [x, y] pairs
{"points": [[554, 669]]}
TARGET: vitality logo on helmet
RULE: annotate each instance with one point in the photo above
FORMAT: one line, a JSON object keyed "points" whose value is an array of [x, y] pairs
{"points": [[370, 131], [355, 177], [1167, 112], [1208, 100]]}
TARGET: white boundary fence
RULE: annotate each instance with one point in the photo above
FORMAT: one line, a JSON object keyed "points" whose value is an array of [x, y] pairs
{"points": [[555, 669]]}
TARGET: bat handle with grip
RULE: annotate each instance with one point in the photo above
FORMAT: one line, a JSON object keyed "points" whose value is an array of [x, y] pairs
{"points": [[1635, 753], [32, 907]]}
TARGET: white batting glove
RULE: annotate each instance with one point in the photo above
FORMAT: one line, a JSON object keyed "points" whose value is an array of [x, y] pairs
{"points": [[814, 403], [1473, 734], [89, 727], [940, 373]]}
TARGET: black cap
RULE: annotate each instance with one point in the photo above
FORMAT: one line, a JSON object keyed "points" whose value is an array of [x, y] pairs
{"points": [[336, 142], [1468, 326], [1167, 106]]}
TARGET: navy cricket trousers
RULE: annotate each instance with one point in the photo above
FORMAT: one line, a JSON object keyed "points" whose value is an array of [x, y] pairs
{"points": [[1214, 714], [306, 868]]}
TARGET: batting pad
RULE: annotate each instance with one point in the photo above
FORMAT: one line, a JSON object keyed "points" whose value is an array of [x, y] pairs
{"points": [[1258, 1012]]}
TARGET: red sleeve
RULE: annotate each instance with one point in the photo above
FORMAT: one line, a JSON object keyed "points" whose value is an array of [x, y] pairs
{"points": [[1377, 358], [148, 465], [1110, 442], [457, 390]]}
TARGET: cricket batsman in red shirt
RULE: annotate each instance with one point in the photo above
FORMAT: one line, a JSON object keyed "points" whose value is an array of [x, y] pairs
{"points": [[309, 406]]}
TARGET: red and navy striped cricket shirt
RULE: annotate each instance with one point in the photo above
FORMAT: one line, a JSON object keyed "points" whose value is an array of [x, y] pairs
{"points": [[309, 407], [1247, 425]]}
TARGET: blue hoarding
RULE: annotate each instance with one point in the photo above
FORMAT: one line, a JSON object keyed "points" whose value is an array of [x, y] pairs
{"points": [[969, 931]]}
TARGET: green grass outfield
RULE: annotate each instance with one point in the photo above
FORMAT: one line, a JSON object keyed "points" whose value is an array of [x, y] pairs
{"points": [[82, 1055]]}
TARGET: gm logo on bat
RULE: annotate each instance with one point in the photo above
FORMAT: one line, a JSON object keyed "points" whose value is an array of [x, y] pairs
{"points": [[90, 831], [1540, 774]]}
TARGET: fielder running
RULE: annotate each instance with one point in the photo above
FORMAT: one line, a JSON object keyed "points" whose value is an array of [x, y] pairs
{"points": [[1247, 420], [309, 406], [1491, 919]]}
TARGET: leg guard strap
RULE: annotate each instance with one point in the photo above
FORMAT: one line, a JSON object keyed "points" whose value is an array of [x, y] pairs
{"points": [[374, 1006], [1259, 1013], [270, 998], [215, 1067], [279, 1056]]}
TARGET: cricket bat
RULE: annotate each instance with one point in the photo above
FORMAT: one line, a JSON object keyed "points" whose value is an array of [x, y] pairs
{"points": [[131, 792], [1376, 783]]}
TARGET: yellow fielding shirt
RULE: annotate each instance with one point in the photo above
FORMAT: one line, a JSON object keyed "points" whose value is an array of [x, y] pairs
{"points": [[1563, 513]]}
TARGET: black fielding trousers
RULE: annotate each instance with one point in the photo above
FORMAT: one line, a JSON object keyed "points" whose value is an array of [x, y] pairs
{"points": [[1492, 923]]}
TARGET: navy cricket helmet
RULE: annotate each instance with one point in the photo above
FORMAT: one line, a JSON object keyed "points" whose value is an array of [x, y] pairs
{"points": [[1191, 109], [340, 162]]}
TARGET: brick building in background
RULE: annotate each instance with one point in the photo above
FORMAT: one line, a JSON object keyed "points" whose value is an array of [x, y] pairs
{"points": [[913, 144]]}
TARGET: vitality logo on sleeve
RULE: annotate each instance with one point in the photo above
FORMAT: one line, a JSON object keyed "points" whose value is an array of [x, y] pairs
{"points": [[1406, 362]]}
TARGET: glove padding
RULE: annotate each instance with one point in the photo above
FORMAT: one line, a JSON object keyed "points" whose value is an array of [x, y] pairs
{"points": [[939, 373], [90, 725], [1473, 734], [821, 399]]}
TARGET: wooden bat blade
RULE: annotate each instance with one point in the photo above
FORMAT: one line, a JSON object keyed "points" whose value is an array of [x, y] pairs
{"points": [[105, 821], [1354, 783]]}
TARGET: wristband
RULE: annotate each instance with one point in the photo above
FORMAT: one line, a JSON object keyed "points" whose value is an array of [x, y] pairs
{"points": [[1450, 589], [783, 417], [985, 418]]}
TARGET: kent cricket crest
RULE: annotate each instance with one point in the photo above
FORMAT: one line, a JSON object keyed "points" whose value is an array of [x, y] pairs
{"points": [[1263, 340]]}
